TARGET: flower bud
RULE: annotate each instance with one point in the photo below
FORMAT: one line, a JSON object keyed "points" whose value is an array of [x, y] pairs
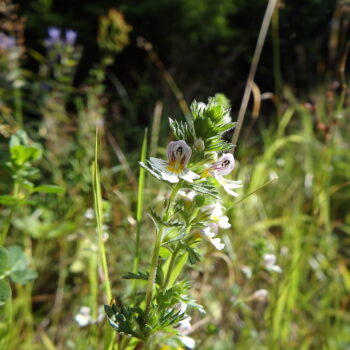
{"points": [[199, 144]]}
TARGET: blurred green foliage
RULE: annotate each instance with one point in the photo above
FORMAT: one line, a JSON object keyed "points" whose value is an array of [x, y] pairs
{"points": [[302, 136]]}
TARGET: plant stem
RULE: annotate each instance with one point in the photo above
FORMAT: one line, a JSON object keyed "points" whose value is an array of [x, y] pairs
{"points": [[7, 223], [139, 209], [153, 271], [276, 54], [171, 265], [109, 335], [18, 107], [256, 57], [147, 345], [155, 254]]}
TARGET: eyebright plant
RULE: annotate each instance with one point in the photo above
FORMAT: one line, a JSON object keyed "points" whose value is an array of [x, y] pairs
{"points": [[195, 170]]}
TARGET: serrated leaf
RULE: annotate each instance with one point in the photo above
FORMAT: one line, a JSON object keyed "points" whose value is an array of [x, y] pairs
{"points": [[5, 291], [137, 276], [204, 188], [159, 220], [147, 165], [193, 256], [181, 130]]}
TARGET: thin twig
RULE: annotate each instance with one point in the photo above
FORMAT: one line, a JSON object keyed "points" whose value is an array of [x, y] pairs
{"points": [[121, 157], [257, 53]]}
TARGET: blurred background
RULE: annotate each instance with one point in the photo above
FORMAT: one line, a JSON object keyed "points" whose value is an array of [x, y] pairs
{"points": [[67, 67]]}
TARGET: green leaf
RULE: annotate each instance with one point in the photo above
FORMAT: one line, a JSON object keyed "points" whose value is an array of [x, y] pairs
{"points": [[181, 131], [204, 188], [126, 320], [178, 268], [193, 256], [156, 218], [137, 276], [23, 276], [17, 259], [21, 154], [164, 252], [49, 189], [19, 138], [4, 260], [147, 165], [9, 200], [5, 292]]}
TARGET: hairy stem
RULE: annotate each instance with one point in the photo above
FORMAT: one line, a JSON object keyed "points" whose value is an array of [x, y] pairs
{"points": [[155, 254]]}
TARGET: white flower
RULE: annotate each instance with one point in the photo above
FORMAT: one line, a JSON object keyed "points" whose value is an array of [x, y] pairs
{"points": [[217, 220], [209, 233], [184, 327], [269, 259], [224, 222], [105, 236], [260, 295], [229, 185], [270, 263], [247, 270], [216, 242], [274, 268], [83, 318], [217, 215], [178, 153], [187, 194], [223, 166], [189, 342], [89, 214]]}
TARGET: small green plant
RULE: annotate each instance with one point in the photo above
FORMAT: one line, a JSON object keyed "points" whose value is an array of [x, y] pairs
{"points": [[195, 171], [23, 153], [13, 264]]}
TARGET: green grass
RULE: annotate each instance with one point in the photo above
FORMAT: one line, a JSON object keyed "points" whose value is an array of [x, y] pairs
{"points": [[294, 203]]}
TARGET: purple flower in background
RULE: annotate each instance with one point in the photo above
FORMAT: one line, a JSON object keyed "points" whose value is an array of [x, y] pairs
{"points": [[54, 36], [54, 33], [71, 37], [6, 42]]}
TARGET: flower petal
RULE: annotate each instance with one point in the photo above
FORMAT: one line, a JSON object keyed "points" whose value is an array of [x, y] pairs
{"points": [[179, 153], [224, 222], [216, 242], [170, 177], [160, 164], [189, 175], [208, 232], [224, 165], [228, 185], [187, 341]]}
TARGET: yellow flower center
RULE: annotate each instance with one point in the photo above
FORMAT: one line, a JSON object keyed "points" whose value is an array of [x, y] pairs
{"points": [[175, 167]]}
